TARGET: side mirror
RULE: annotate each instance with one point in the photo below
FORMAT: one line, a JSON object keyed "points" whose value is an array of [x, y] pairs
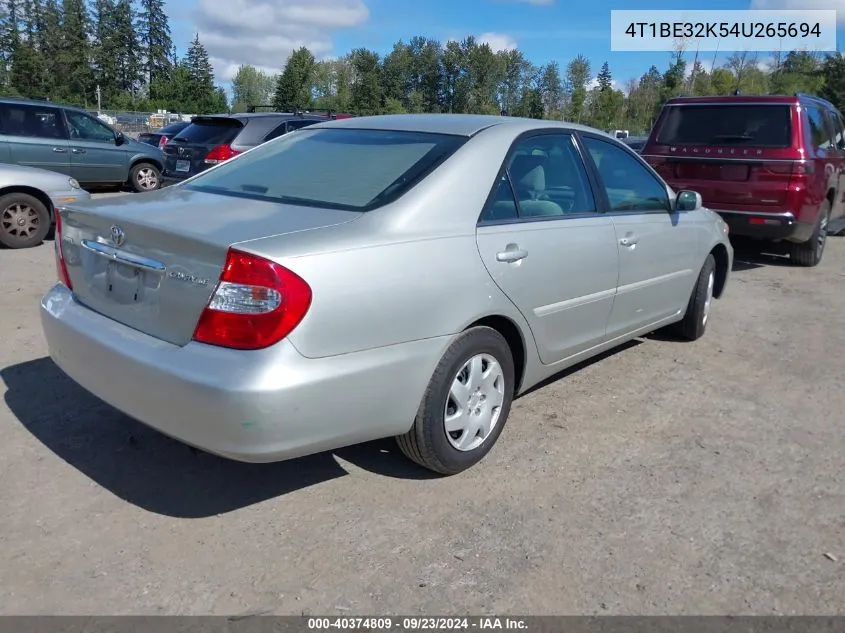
{"points": [[119, 138], [688, 201]]}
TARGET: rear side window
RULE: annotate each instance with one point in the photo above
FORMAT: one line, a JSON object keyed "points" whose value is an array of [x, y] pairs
{"points": [[819, 132], [743, 125], [33, 121], [355, 170], [210, 132]]}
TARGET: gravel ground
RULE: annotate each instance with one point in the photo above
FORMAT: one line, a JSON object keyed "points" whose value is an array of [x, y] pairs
{"points": [[665, 478]]}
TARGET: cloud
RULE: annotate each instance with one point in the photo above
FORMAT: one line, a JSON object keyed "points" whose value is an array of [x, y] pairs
{"points": [[497, 41], [594, 83], [778, 5], [264, 32]]}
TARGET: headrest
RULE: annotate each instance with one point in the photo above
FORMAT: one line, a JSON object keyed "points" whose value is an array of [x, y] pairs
{"points": [[529, 172]]}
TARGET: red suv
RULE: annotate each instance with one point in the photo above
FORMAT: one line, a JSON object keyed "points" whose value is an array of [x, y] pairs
{"points": [[772, 167]]}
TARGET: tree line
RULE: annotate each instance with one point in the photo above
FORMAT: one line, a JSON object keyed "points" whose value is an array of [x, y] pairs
{"points": [[63, 50], [423, 75]]}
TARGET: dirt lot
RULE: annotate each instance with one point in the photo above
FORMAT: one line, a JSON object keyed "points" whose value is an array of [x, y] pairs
{"points": [[665, 478]]}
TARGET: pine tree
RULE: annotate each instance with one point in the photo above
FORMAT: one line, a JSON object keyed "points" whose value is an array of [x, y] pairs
{"points": [[295, 84], [201, 97], [126, 48], [105, 53], [154, 33], [73, 63]]}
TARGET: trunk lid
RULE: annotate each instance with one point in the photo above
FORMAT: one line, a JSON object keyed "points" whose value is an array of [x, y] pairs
{"points": [[152, 262], [734, 155]]}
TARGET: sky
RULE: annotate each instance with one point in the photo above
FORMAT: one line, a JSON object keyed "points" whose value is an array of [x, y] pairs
{"points": [[264, 32]]}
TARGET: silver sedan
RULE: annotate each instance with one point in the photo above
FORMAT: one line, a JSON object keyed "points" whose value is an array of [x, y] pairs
{"points": [[385, 276], [28, 196]]}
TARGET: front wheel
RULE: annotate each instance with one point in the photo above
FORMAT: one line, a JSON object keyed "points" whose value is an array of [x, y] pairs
{"points": [[465, 406], [24, 221], [694, 323], [145, 177]]}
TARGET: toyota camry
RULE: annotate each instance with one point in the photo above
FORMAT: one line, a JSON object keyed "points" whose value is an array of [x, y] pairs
{"points": [[384, 276]]}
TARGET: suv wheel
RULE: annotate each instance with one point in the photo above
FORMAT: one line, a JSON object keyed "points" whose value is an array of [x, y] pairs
{"points": [[810, 253], [144, 177], [24, 221]]}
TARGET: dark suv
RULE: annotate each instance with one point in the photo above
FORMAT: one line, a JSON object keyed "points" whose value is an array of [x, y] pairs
{"points": [[212, 139], [71, 141], [773, 167]]}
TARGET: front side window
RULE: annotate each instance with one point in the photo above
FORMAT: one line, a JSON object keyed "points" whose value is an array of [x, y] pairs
{"points": [[629, 185], [355, 170], [87, 128], [32, 121]]}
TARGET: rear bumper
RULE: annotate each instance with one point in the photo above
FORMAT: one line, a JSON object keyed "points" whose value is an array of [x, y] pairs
{"points": [[260, 406], [766, 225]]}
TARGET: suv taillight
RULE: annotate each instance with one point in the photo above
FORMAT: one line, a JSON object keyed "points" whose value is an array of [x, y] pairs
{"points": [[256, 303], [61, 266], [220, 154], [162, 142]]}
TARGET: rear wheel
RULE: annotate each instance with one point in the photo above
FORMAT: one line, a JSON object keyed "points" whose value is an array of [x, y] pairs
{"points": [[145, 177], [810, 253], [24, 221], [465, 406]]}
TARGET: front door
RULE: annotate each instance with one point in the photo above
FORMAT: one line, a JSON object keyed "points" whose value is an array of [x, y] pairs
{"points": [[548, 248], [658, 248], [36, 136], [94, 154]]}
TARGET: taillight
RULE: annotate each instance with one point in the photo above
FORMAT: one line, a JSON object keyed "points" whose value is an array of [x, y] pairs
{"points": [[61, 266], [162, 142], [256, 304], [220, 154]]}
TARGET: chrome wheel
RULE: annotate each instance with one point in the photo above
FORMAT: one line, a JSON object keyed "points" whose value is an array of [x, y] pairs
{"points": [[146, 178], [474, 402], [708, 298], [20, 221]]}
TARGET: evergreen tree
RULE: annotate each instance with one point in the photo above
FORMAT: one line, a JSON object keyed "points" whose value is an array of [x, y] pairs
{"points": [[295, 85], [154, 34], [366, 89], [73, 62], [201, 96], [126, 47]]}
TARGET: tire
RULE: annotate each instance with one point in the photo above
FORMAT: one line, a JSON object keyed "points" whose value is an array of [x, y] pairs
{"points": [[809, 253], [695, 320], [144, 177], [24, 220], [428, 443]]}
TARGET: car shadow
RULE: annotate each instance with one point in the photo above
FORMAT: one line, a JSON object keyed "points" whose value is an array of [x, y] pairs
{"points": [[157, 473], [749, 255]]}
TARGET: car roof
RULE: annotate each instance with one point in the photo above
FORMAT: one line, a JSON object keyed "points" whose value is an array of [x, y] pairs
{"points": [[40, 102], [454, 124], [746, 99], [263, 115]]}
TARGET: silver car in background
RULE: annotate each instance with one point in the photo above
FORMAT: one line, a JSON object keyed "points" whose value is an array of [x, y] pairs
{"points": [[384, 276], [28, 198]]}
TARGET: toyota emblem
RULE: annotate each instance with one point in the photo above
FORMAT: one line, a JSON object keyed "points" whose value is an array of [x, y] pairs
{"points": [[117, 235]]}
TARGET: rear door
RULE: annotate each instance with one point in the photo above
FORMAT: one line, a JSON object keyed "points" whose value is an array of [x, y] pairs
{"points": [[548, 248], [36, 136], [185, 153], [94, 153], [736, 155], [658, 249], [838, 148]]}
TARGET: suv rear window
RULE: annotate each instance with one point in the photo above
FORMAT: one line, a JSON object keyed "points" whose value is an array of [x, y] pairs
{"points": [[355, 170], [210, 131], [754, 125]]}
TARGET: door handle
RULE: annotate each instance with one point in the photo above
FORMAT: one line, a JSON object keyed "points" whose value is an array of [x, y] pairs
{"points": [[59, 150], [76, 150], [629, 240], [511, 256]]}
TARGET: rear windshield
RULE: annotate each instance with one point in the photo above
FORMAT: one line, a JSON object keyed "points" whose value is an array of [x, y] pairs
{"points": [[173, 127], [355, 170], [754, 125], [210, 132]]}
